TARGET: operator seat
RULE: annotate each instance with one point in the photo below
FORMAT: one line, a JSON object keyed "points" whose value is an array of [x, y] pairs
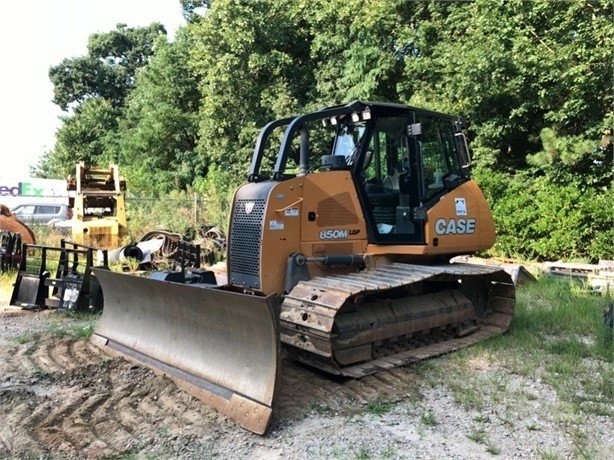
{"points": [[391, 182]]}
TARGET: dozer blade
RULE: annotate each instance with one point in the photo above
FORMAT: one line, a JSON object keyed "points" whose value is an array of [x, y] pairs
{"points": [[220, 346]]}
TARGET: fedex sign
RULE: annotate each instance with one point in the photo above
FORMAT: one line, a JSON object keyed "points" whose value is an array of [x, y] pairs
{"points": [[17, 190], [21, 189]]}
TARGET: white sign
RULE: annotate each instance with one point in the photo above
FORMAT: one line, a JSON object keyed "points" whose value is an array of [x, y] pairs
{"points": [[276, 225], [461, 206]]}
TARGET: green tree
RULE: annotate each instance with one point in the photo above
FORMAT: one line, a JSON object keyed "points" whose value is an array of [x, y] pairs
{"points": [[253, 62], [192, 9], [534, 79], [514, 68], [355, 48], [108, 69], [92, 89], [158, 133]]}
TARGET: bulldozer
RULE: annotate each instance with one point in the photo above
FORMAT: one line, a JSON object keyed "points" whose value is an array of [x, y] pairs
{"points": [[339, 256]]}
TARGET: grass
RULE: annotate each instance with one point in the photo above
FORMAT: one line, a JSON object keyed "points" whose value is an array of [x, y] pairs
{"points": [[557, 334], [428, 418], [557, 338], [379, 408], [362, 452], [63, 325], [478, 435]]}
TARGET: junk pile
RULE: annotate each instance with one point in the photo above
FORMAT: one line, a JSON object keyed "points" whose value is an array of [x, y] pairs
{"points": [[163, 249], [13, 233], [599, 277]]}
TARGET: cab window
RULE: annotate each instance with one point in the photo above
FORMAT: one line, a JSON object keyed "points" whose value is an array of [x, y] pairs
{"points": [[438, 155]]}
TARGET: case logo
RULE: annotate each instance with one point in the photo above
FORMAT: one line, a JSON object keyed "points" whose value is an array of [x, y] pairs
{"points": [[455, 226]]}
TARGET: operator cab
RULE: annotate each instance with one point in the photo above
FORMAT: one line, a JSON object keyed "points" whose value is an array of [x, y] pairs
{"points": [[402, 160]]}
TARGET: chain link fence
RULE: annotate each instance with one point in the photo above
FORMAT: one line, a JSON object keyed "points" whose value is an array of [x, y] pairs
{"points": [[186, 216]]}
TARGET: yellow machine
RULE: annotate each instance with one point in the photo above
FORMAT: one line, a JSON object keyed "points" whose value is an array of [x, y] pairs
{"points": [[340, 253], [97, 197]]}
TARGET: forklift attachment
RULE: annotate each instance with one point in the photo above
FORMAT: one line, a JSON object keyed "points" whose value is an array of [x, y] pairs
{"points": [[58, 277]]}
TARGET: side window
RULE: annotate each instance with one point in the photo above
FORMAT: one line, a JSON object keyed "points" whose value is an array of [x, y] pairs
{"points": [[386, 172], [438, 155], [373, 169], [347, 142], [45, 209], [387, 156], [434, 168], [26, 210]]}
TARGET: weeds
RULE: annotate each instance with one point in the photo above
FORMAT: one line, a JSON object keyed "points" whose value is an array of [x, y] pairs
{"points": [[363, 453], [27, 338], [547, 455], [389, 452], [129, 264], [38, 373], [467, 396], [379, 408], [558, 336], [428, 418], [557, 339], [580, 443], [492, 449], [73, 326], [478, 435], [320, 408]]}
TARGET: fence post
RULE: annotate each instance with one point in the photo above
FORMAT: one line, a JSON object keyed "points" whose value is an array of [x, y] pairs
{"points": [[195, 210]]}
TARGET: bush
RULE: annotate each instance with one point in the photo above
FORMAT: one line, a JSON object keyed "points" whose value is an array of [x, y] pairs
{"points": [[538, 219], [178, 212]]}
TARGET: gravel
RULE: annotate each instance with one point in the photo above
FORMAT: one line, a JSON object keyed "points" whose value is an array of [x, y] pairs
{"points": [[512, 416]]}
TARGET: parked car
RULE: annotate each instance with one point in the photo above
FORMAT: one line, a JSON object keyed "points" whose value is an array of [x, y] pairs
{"points": [[42, 213]]}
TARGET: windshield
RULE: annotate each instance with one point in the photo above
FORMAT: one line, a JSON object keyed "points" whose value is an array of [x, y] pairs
{"points": [[347, 142]]}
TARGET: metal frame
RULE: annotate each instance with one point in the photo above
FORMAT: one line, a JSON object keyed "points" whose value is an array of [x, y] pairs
{"points": [[73, 288]]}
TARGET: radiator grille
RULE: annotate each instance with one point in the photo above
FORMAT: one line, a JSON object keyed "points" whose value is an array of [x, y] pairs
{"points": [[246, 231]]}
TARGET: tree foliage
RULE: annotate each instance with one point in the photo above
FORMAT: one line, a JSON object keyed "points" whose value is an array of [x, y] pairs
{"points": [[158, 132], [515, 68], [253, 62], [193, 9], [534, 79], [357, 49], [92, 90], [108, 69]]}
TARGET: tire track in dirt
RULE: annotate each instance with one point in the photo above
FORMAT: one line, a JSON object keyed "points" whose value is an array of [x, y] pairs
{"points": [[66, 397], [54, 355], [303, 390]]}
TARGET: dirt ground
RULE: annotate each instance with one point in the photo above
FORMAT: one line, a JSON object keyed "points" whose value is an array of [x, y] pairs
{"points": [[64, 398]]}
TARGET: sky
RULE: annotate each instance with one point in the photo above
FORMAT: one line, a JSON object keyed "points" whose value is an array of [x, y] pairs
{"points": [[38, 34]]}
